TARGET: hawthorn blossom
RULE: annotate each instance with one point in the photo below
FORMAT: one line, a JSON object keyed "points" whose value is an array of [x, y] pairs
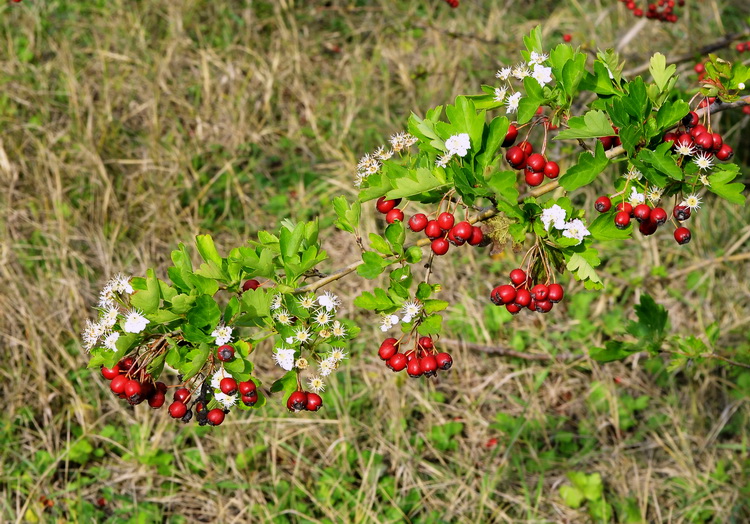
{"points": [[410, 309], [382, 153], [282, 316], [633, 174], [504, 73], [521, 71], [512, 103], [554, 216], [323, 318], [388, 322], [222, 334], [704, 161], [575, 229], [109, 318], [500, 93], [276, 302], [327, 367], [685, 148], [217, 377], [301, 363], [654, 194], [329, 301], [225, 400], [135, 322], [704, 180], [537, 58], [692, 201], [458, 144], [542, 74], [110, 342], [284, 358], [339, 330], [337, 354], [442, 161], [302, 335], [307, 302], [316, 384], [636, 197], [91, 334]]}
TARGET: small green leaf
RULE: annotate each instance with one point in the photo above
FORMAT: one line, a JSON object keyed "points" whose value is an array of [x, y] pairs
{"points": [[434, 305], [207, 249], [205, 313], [420, 180], [573, 497], [431, 325], [586, 170], [659, 70], [661, 160], [147, 300], [603, 228], [378, 301], [196, 359], [721, 184], [348, 215], [591, 125], [379, 244], [287, 384]]}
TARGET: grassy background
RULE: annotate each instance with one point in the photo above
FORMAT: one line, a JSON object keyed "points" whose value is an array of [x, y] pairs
{"points": [[129, 126]]}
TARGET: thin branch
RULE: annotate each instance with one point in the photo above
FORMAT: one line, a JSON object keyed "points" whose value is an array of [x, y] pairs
{"points": [[505, 352]]}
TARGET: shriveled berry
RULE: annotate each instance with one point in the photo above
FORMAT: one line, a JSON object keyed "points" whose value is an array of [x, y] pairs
{"points": [[215, 417], [110, 373], [394, 215], [228, 386], [444, 361], [622, 220], [432, 230], [510, 136], [551, 169], [297, 401], [555, 293], [440, 246], [177, 409], [182, 394], [246, 387], [397, 362], [682, 235], [126, 363], [314, 402], [681, 213], [603, 204], [418, 222], [250, 284], [384, 205], [225, 353], [642, 212]]}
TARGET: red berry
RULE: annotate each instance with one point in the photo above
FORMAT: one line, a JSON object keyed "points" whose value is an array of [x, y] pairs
{"points": [[246, 387], [705, 141], [418, 222], [536, 163], [228, 386], [413, 368], [297, 401], [724, 153], [384, 205], [555, 293], [603, 204], [681, 213], [463, 231], [684, 140], [740, 47], [444, 361], [432, 230], [161, 387], [215, 417], [518, 276], [606, 142], [543, 306], [177, 409], [513, 309], [446, 221], [622, 219], [523, 298], [504, 294], [625, 206], [691, 119], [699, 68], [126, 363], [118, 384], [250, 398], [670, 137], [515, 157], [225, 353], [476, 236], [510, 136], [539, 292], [132, 389], [698, 130], [642, 212], [156, 401], [440, 246], [658, 215], [389, 342], [551, 169], [182, 394], [453, 240], [718, 141], [397, 362], [534, 179], [386, 352], [428, 365], [314, 402], [567, 37], [394, 215], [110, 373], [682, 235], [426, 342], [648, 227], [250, 284], [526, 147]]}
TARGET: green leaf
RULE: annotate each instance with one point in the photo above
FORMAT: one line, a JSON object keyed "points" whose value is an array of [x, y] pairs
{"points": [[431, 325], [603, 228], [434, 305], [533, 41], [256, 303], [659, 70], [379, 244], [348, 215], [599, 82], [395, 234], [413, 254], [661, 160], [147, 300], [205, 313], [493, 137], [290, 240], [651, 324], [530, 103], [721, 185], [207, 249], [196, 359], [582, 265], [591, 125], [586, 170], [670, 113], [465, 118], [373, 265], [424, 290], [181, 304], [379, 301], [504, 184], [613, 350], [572, 496], [420, 180], [212, 270], [287, 384]]}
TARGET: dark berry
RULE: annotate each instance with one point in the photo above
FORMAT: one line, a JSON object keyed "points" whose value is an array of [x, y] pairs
{"points": [[648, 227], [691, 119], [444, 361], [681, 213], [250, 284], [225, 353], [682, 235], [297, 401], [510, 136], [156, 401]]}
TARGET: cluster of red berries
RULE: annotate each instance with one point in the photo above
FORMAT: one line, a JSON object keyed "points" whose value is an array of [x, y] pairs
{"points": [[743, 46], [608, 142], [134, 391], [663, 10], [423, 359], [443, 230], [523, 293], [648, 218], [522, 156], [452, 3], [304, 401], [695, 136]]}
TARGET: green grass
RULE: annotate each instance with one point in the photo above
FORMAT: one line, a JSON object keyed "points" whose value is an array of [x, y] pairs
{"points": [[127, 127]]}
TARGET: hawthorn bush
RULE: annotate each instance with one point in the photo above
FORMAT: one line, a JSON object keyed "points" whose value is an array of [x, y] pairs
{"points": [[475, 172]]}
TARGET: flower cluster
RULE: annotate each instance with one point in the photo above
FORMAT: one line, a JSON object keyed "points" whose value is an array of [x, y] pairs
{"points": [[534, 68], [372, 162], [555, 216], [409, 311]]}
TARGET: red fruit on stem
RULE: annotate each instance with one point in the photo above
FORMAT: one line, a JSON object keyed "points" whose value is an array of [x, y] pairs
{"points": [[426, 342], [625, 206], [428, 364], [389, 342], [297, 401], [526, 147], [386, 352], [648, 227], [718, 141], [476, 236], [444, 361], [161, 387], [523, 298], [446, 221], [126, 363], [250, 284], [543, 306], [555, 293], [603, 204], [156, 401], [622, 220], [132, 388], [682, 235], [394, 215], [681, 213], [691, 119], [567, 37], [453, 239], [658, 215], [177, 409], [225, 353], [515, 157], [642, 212], [504, 294], [228, 386], [118, 384], [698, 130], [536, 163], [513, 309], [215, 417], [250, 399], [314, 402], [397, 362], [551, 169], [705, 141], [539, 292], [110, 373], [246, 387], [533, 178], [463, 231], [413, 368], [510, 136], [440, 246], [724, 153], [518, 276], [418, 222], [699, 68], [606, 142], [182, 394], [432, 230], [670, 137], [384, 205]]}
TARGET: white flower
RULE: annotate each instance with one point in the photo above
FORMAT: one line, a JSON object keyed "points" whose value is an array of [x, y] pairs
{"points": [[410, 140], [513, 102], [329, 301], [410, 309], [316, 384], [301, 363], [521, 71], [442, 161], [91, 334], [388, 322], [537, 58], [633, 174], [323, 318], [685, 148], [704, 161], [109, 318], [542, 74], [458, 144], [217, 377], [107, 296], [338, 329], [401, 141], [302, 335], [358, 181], [324, 333], [225, 400], [555, 216], [576, 229], [284, 358], [289, 340], [282, 316], [636, 197], [654, 194], [337, 354], [327, 367], [382, 153], [741, 86], [704, 181], [135, 322], [121, 284], [500, 93], [111, 341], [503, 73], [276, 302], [692, 201], [222, 334], [307, 302]]}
